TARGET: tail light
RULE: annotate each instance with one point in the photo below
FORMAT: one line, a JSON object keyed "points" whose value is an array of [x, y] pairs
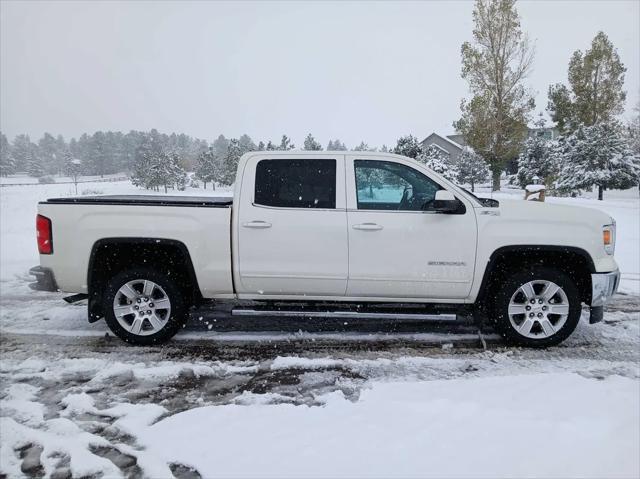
{"points": [[45, 238]]}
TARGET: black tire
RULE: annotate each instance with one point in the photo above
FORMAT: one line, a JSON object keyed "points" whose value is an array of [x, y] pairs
{"points": [[173, 321], [510, 287]]}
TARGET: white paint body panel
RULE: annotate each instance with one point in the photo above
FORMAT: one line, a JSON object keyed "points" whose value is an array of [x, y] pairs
{"points": [[316, 254]]}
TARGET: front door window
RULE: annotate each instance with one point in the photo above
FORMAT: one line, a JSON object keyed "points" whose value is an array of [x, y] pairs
{"points": [[385, 185]]}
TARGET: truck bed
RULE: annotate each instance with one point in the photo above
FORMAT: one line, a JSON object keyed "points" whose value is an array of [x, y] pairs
{"points": [[152, 200], [200, 225]]}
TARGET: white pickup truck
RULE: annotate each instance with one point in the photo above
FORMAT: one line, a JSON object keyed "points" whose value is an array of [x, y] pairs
{"points": [[318, 234]]}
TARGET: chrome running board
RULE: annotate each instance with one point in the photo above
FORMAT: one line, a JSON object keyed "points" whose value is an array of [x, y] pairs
{"points": [[343, 314]]}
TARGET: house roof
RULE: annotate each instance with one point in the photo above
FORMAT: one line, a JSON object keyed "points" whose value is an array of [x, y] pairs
{"points": [[444, 138]]}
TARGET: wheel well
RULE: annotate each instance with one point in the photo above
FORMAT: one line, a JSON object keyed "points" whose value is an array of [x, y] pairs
{"points": [[572, 261], [111, 256]]}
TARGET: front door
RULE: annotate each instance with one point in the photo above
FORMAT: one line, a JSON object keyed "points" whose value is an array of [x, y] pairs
{"points": [[292, 227], [396, 249]]}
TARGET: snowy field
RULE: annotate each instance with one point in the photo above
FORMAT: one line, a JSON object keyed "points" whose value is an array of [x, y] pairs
{"points": [[269, 398]]}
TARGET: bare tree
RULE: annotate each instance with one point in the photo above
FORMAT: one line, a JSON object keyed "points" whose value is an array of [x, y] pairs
{"points": [[494, 120]]}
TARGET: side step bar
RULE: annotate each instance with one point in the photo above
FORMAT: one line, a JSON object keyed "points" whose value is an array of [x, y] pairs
{"points": [[343, 314]]}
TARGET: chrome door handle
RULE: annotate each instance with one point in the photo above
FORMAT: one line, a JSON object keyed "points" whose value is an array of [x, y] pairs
{"points": [[257, 224], [368, 227]]}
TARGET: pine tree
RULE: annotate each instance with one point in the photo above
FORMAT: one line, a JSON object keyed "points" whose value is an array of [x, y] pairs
{"points": [[363, 147], [7, 163], [175, 172], [261, 146], [436, 160], [22, 151], [310, 143], [47, 153], [208, 168], [246, 144], [472, 169], [336, 145], [141, 174], [34, 166], [536, 160], [407, 146], [599, 156], [230, 163], [285, 144]]}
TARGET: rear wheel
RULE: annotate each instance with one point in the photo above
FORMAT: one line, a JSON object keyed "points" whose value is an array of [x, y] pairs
{"points": [[143, 306], [538, 308]]}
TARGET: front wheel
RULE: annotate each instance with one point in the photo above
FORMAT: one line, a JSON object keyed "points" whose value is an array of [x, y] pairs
{"points": [[143, 306], [538, 308]]}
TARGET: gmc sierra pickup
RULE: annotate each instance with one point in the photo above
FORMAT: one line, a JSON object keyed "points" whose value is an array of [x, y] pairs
{"points": [[319, 234]]}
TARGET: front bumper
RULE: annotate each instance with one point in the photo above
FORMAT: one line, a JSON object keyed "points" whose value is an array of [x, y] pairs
{"points": [[603, 286], [45, 280]]}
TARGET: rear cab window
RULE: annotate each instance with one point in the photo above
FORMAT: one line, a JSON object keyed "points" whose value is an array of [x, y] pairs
{"points": [[296, 183]]}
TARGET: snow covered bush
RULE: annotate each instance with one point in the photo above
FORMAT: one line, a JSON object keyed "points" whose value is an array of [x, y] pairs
{"points": [[435, 159], [597, 155], [472, 168]]}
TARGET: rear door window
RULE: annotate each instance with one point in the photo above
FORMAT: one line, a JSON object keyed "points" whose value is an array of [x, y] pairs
{"points": [[296, 183]]}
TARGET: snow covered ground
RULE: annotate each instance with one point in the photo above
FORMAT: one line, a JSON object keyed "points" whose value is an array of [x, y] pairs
{"points": [[269, 398]]}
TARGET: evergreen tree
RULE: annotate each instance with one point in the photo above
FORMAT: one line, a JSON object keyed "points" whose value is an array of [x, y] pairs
{"points": [[208, 168], [285, 144], [494, 120], [407, 146], [141, 170], [336, 145], [7, 163], [537, 160], [220, 146], [438, 161], [472, 169], [261, 146], [599, 156], [633, 132], [310, 143], [23, 151], [34, 166], [364, 147], [595, 94], [47, 152], [230, 163], [246, 144]]}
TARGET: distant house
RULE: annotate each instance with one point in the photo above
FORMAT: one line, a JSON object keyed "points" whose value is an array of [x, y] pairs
{"points": [[449, 147], [454, 144]]}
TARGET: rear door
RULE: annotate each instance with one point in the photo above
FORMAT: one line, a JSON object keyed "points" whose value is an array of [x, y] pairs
{"points": [[292, 227], [396, 249]]}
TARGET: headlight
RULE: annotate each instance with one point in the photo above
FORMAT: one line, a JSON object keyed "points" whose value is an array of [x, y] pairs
{"points": [[609, 238]]}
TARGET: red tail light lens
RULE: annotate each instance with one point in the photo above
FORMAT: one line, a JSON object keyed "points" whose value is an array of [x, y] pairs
{"points": [[45, 238]]}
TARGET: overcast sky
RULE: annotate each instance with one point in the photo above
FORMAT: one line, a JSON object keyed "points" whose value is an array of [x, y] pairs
{"points": [[356, 71]]}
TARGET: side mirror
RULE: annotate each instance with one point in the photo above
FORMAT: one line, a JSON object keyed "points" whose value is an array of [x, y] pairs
{"points": [[444, 202]]}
